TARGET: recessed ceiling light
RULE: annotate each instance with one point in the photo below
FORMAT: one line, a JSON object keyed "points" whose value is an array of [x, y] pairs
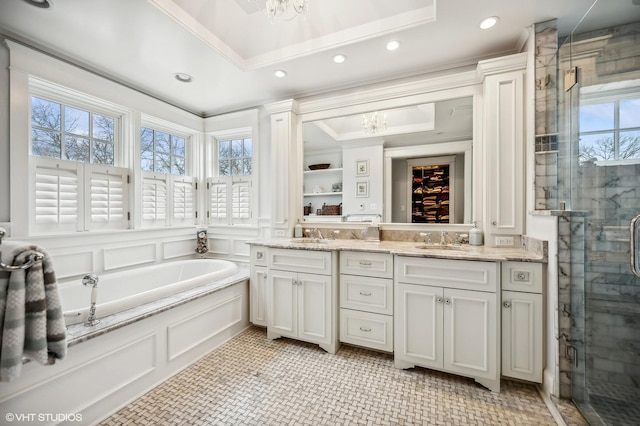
{"points": [[393, 45], [489, 22], [43, 4], [183, 78], [338, 59], [280, 73]]}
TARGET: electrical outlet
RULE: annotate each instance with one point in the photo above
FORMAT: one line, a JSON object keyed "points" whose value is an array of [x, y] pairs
{"points": [[504, 241], [278, 233]]}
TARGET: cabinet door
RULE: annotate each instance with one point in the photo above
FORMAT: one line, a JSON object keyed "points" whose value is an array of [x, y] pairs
{"points": [[418, 324], [522, 335], [282, 303], [471, 333], [314, 308], [504, 133], [257, 296]]}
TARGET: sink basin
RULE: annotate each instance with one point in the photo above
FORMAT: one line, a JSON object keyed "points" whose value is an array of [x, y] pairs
{"points": [[308, 241], [440, 247]]}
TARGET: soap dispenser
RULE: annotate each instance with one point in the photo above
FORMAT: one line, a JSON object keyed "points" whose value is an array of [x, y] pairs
{"points": [[297, 230], [475, 236]]}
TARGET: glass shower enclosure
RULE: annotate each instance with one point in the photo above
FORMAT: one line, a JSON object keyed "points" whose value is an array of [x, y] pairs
{"points": [[599, 177]]}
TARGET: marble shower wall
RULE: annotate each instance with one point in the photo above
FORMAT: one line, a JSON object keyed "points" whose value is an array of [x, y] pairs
{"points": [[546, 125]]}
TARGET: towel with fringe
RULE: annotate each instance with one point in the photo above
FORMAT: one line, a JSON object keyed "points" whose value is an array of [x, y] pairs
{"points": [[31, 320]]}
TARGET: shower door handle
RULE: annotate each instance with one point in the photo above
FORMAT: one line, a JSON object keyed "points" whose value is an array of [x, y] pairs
{"points": [[634, 228]]}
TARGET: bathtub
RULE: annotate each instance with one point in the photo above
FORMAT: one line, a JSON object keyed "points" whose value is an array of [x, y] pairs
{"points": [[130, 352], [120, 291]]}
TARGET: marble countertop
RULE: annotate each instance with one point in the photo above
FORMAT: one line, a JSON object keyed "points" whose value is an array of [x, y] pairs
{"points": [[537, 253]]}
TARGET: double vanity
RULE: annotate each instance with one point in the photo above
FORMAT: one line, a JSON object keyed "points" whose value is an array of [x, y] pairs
{"points": [[472, 311]]}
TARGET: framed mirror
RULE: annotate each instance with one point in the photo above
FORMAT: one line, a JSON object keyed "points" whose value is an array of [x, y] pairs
{"points": [[358, 167]]}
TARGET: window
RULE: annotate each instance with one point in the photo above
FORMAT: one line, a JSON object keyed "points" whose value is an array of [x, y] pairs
{"points": [[610, 130], [230, 190], [70, 133], [168, 193], [162, 152], [76, 186]]}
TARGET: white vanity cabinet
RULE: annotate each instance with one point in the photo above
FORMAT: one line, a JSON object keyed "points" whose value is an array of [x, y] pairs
{"points": [[446, 317], [366, 299], [302, 296], [522, 320], [258, 286]]}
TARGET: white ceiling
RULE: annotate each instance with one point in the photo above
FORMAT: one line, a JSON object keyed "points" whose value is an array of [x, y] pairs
{"points": [[231, 49]]}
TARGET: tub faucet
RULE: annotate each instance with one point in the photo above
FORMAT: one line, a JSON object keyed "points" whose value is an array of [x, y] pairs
{"points": [[91, 280]]}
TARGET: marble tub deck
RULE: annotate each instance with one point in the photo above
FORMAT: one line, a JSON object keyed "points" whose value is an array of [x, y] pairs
{"points": [[78, 333]]}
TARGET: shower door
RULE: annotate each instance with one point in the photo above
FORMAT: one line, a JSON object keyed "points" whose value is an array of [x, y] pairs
{"points": [[601, 175]]}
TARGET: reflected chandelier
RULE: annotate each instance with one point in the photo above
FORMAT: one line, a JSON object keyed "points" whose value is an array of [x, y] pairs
{"points": [[374, 124], [286, 9]]}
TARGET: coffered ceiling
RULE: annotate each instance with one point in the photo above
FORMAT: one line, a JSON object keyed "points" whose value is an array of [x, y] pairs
{"points": [[232, 50]]}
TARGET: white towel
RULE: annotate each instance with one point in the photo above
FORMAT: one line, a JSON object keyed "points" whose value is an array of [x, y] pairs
{"points": [[31, 320]]}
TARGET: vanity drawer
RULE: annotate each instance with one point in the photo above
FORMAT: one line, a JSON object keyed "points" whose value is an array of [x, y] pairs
{"points": [[462, 274], [365, 263], [522, 276], [366, 294], [366, 329], [309, 261]]}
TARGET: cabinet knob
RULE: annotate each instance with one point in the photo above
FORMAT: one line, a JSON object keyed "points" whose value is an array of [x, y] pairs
{"points": [[365, 329], [506, 304], [447, 301], [439, 299], [365, 293], [494, 223]]}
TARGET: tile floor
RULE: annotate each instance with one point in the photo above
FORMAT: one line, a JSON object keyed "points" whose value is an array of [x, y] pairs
{"points": [[251, 380]]}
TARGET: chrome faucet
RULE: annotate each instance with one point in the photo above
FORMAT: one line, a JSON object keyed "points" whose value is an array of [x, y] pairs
{"points": [[91, 280], [315, 231], [443, 238], [427, 240]]}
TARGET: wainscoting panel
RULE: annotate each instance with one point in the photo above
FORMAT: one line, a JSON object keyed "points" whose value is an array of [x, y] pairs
{"points": [[68, 265], [179, 248], [188, 333], [119, 257], [67, 392]]}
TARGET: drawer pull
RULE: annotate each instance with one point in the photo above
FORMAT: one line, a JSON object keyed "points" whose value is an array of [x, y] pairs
{"points": [[365, 293], [365, 329], [365, 263]]}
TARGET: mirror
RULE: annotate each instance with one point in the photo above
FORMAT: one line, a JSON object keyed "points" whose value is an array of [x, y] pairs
{"points": [[412, 165]]}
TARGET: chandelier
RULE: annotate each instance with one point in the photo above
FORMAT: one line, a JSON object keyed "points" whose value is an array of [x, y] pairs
{"points": [[374, 123], [286, 9]]}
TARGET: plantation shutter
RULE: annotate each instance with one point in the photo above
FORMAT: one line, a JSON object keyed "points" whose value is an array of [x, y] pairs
{"points": [[56, 198], [217, 201], [183, 200], [108, 195], [154, 199], [241, 201]]}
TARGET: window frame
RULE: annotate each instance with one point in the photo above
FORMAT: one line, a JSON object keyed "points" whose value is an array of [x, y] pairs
{"points": [[170, 180], [213, 177], [615, 96], [73, 98]]}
